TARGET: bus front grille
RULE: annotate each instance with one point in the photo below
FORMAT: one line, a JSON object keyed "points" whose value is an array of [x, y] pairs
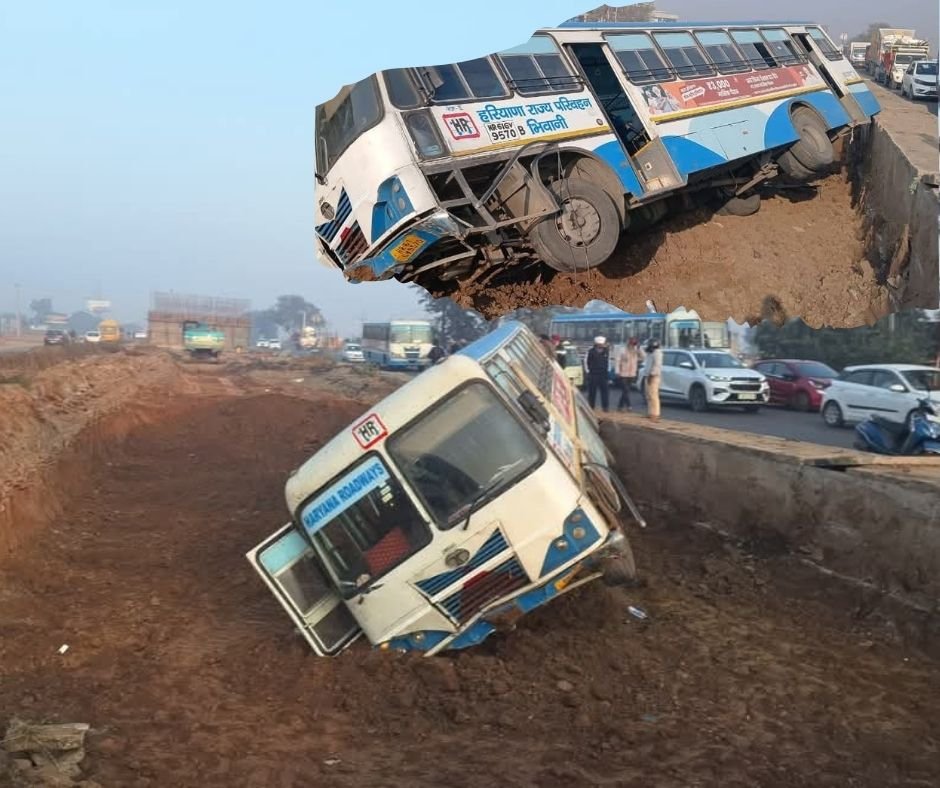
{"points": [[352, 245], [481, 589]]}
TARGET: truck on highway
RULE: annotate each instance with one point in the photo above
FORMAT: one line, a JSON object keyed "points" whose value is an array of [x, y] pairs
{"points": [[857, 52], [892, 50], [201, 340]]}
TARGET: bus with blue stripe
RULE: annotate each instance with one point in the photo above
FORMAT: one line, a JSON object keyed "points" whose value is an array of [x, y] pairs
{"points": [[553, 149], [398, 344], [475, 493]]}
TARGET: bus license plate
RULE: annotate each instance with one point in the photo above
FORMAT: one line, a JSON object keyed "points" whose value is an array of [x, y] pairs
{"points": [[408, 247], [747, 396]]}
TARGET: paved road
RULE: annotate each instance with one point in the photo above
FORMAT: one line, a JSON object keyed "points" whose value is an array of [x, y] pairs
{"points": [[912, 123], [778, 422]]}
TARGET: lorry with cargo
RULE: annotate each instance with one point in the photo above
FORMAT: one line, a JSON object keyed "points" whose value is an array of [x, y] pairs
{"points": [[891, 51], [202, 341]]}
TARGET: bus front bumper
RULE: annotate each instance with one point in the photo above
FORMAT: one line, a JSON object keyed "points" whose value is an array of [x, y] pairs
{"points": [[404, 248]]}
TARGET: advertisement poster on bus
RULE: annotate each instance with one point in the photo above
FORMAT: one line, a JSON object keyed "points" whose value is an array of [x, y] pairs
{"points": [[674, 97], [561, 395]]}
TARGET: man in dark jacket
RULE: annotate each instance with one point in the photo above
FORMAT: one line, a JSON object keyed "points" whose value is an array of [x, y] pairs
{"points": [[597, 365]]}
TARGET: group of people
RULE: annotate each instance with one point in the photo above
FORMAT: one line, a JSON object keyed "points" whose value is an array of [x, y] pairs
{"points": [[627, 367]]}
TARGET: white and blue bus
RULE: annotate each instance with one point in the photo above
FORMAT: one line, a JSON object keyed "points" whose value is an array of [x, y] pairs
{"points": [[681, 328], [398, 343], [475, 493], [550, 150]]}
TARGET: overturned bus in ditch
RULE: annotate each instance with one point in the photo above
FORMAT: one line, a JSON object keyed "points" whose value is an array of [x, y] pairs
{"points": [[474, 493], [550, 150]]}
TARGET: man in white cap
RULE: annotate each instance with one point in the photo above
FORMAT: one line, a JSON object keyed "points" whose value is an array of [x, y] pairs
{"points": [[597, 365]]}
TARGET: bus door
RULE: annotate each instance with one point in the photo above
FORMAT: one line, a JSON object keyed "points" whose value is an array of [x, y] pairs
{"points": [[643, 150], [815, 46], [290, 569]]}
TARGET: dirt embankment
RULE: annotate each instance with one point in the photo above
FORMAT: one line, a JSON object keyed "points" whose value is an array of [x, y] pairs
{"points": [[802, 255], [751, 670]]}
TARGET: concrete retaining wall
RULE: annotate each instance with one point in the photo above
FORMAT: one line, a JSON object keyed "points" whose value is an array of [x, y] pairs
{"points": [[875, 524], [900, 205]]}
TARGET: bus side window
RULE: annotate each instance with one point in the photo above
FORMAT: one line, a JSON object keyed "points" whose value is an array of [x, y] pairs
{"points": [[471, 79], [639, 58], [755, 50], [822, 41], [537, 67], [401, 89], [782, 47], [684, 55], [722, 51]]}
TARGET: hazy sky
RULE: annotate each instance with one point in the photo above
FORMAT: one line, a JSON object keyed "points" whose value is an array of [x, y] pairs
{"points": [[168, 145]]}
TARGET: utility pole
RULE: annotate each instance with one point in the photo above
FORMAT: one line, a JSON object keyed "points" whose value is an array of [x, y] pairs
{"points": [[17, 288]]}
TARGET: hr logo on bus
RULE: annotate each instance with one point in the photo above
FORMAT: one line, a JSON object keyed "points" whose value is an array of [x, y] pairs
{"points": [[369, 431], [461, 126]]}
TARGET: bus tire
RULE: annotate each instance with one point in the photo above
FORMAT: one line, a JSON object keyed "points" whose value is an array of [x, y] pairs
{"points": [[793, 168], [814, 148], [619, 569], [741, 206], [583, 234]]}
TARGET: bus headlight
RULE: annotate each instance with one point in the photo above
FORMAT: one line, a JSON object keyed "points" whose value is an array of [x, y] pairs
{"points": [[423, 132]]}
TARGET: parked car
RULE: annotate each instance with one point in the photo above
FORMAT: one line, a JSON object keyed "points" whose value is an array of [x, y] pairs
{"points": [[708, 378], [55, 336], [274, 344], [796, 384], [920, 80], [353, 353], [140, 335], [262, 342], [891, 391], [93, 336]]}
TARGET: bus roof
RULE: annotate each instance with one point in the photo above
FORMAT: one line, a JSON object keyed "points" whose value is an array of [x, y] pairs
{"points": [[396, 410], [486, 345], [587, 317], [676, 25]]}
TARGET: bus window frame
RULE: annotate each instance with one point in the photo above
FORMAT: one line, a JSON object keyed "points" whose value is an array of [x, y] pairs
{"points": [[741, 65], [751, 64], [470, 98], [380, 99], [836, 54], [574, 74], [695, 43], [653, 80], [800, 58], [416, 84], [514, 411], [416, 503]]}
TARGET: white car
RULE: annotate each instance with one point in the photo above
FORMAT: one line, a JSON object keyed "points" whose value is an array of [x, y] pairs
{"points": [[708, 378], [920, 80], [262, 342], [353, 353], [888, 390], [92, 336], [274, 344]]}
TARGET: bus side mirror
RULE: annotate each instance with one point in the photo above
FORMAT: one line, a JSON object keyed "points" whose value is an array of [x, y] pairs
{"points": [[534, 409]]}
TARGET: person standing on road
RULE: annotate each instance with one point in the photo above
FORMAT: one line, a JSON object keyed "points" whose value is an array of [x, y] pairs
{"points": [[628, 364], [597, 365], [653, 377]]}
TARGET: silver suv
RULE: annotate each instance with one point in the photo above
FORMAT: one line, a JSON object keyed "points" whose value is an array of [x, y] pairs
{"points": [[708, 378]]}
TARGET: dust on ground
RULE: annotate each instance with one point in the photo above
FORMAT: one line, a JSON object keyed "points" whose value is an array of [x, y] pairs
{"points": [[751, 669], [801, 255]]}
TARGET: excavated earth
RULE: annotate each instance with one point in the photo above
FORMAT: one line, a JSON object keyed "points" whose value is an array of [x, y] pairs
{"points": [[751, 668], [802, 255]]}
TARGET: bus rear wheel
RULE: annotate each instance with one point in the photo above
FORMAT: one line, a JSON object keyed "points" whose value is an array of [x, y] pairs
{"points": [[583, 234], [812, 153]]}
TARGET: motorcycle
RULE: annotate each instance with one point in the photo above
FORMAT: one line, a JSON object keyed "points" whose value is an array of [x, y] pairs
{"points": [[918, 435]]}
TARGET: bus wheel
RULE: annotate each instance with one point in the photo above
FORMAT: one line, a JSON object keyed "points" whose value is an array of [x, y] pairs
{"points": [[741, 206], [814, 148], [583, 234], [619, 569]]}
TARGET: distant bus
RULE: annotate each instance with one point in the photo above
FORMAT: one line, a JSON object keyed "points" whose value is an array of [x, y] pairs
{"points": [[398, 343], [552, 149], [681, 328], [110, 331]]}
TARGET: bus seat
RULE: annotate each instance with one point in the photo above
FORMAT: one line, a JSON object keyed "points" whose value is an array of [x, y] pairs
{"points": [[387, 552]]}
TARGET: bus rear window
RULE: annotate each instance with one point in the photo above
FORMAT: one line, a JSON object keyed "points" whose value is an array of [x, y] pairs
{"points": [[754, 49], [341, 120], [782, 47], [639, 58], [537, 67], [684, 55], [471, 79]]}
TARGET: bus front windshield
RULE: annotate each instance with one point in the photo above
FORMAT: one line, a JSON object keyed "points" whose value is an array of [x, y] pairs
{"points": [[364, 525], [463, 451], [341, 120], [411, 335]]}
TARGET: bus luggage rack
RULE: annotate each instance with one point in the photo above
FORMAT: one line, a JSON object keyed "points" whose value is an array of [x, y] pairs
{"points": [[484, 588]]}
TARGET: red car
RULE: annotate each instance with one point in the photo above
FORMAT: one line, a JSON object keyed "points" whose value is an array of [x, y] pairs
{"points": [[796, 384]]}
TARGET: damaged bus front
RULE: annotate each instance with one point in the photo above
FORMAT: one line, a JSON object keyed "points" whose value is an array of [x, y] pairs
{"points": [[473, 494]]}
